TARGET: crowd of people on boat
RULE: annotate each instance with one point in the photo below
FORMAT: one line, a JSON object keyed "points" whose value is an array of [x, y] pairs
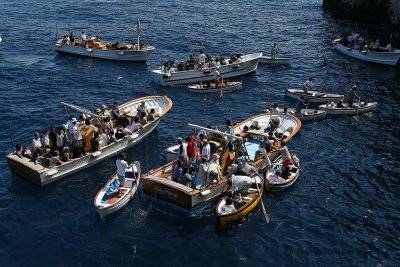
{"points": [[203, 61], [88, 134], [95, 42], [355, 41]]}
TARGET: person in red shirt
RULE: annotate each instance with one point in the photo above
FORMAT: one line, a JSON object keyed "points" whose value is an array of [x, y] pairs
{"points": [[191, 152]]}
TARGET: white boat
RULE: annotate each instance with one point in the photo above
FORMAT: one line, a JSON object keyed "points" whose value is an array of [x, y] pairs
{"points": [[159, 186], [224, 88], [111, 197], [1, 38], [41, 175], [307, 114], [380, 57], [314, 96], [276, 186], [105, 50], [242, 65], [332, 108], [275, 61]]}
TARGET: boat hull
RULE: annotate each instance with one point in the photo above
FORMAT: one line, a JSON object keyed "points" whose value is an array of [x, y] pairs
{"points": [[309, 114], [329, 109], [234, 86], [314, 96], [40, 175], [385, 58], [275, 61], [281, 186], [118, 55], [248, 64]]}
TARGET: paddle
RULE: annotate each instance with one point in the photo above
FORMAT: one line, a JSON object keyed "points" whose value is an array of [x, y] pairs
{"points": [[358, 107], [297, 165], [261, 201]]}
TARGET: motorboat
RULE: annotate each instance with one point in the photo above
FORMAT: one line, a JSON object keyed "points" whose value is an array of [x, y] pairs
{"points": [[41, 174], [94, 47]]}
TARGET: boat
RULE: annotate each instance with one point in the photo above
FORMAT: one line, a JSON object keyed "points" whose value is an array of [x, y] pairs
{"points": [[158, 185], [277, 165], [275, 61], [42, 175], [96, 48], [167, 74], [380, 57], [314, 96], [224, 88], [307, 114], [111, 197], [357, 109], [250, 201]]}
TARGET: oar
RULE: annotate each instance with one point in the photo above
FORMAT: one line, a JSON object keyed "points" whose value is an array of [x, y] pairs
{"points": [[261, 201], [358, 107], [298, 166]]}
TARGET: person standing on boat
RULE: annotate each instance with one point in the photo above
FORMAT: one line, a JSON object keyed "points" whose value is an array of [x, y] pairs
{"points": [[76, 136], [274, 51], [206, 150], [202, 59], [307, 86], [231, 131], [299, 104], [182, 153], [285, 155], [84, 37], [263, 150], [352, 95], [122, 166], [115, 112]]}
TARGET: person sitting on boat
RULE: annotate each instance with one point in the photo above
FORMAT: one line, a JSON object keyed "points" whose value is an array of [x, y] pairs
{"points": [[274, 51], [243, 166], [340, 104], [135, 126], [126, 131], [276, 178], [307, 86], [66, 154], [143, 120], [352, 95], [115, 114], [151, 116], [37, 146], [141, 109], [55, 159], [122, 166], [95, 142], [286, 173], [214, 172], [19, 151], [228, 207], [177, 171], [106, 117], [263, 150], [46, 139], [275, 109]]}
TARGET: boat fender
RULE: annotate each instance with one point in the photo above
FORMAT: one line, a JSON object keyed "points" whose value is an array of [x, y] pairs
{"points": [[121, 53], [95, 154], [89, 50], [51, 172], [133, 136], [205, 192]]}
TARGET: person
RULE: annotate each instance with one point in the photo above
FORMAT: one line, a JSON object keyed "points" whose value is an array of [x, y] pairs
{"points": [[240, 183], [46, 139], [285, 155], [177, 171], [217, 76], [106, 116], [95, 142], [340, 104], [202, 59], [276, 178], [191, 152], [352, 95], [286, 173], [53, 138], [285, 110], [141, 109], [274, 51], [55, 159], [307, 86], [243, 166], [122, 166], [61, 138], [214, 171], [37, 146], [263, 150], [69, 129], [135, 125], [182, 153], [76, 134], [151, 115], [126, 131], [84, 38], [231, 132], [299, 104], [143, 120], [228, 207], [66, 154], [275, 108], [206, 150], [203, 168], [19, 151], [115, 115]]}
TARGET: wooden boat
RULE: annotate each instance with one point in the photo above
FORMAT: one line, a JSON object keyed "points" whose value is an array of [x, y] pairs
{"points": [[42, 175], [111, 197], [307, 114], [105, 50], [280, 186], [251, 200], [275, 61], [314, 96], [225, 87], [379, 57], [332, 108], [242, 65], [157, 184]]}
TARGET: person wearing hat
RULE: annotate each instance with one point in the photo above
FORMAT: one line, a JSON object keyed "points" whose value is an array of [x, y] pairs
{"points": [[141, 109], [352, 95], [106, 116], [76, 135], [307, 86], [70, 125]]}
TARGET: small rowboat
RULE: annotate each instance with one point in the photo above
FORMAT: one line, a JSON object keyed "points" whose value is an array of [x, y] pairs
{"points": [[275, 61], [225, 88], [275, 186], [250, 201], [308, 114], [111, 197], [314, 96], [332, 108]]}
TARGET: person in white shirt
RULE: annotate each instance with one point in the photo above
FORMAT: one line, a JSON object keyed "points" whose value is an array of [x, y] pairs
{"points": [[240, 183], [276, 108], [76, 134], [307, 86], [36, 143], [182, 153], [202, 59], [70, 125], [206, 150], [126, 131], [122, 166], [203, 171], [135, 125]]}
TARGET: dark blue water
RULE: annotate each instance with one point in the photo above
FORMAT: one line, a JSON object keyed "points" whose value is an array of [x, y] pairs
{"points": [[345, 213]]}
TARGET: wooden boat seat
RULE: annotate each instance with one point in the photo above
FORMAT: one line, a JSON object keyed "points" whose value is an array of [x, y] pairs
{"points": [[252, 190], [247, 198]]}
